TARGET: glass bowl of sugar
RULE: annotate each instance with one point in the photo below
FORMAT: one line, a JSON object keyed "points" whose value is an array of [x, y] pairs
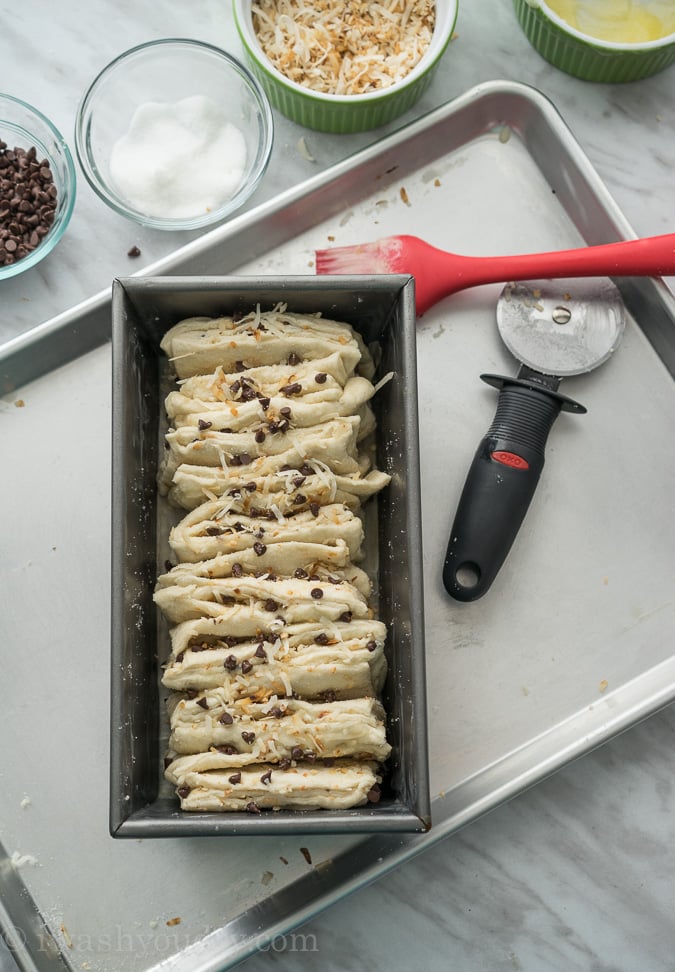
{"points": [[174, 134]]}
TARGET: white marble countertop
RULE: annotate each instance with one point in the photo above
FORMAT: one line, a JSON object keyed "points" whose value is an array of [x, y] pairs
{"points": [[577, 873]]}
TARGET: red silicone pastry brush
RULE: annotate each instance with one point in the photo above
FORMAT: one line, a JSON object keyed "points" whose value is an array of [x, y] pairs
{"points": [[438, 273]]}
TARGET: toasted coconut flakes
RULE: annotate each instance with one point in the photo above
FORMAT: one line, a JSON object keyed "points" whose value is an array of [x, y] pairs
{"points": [[304, 151], [346, 49], [277, 512], [383, 381]]}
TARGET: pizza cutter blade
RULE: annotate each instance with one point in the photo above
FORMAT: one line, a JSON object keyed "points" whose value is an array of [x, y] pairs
{"points": [[555, 328]]}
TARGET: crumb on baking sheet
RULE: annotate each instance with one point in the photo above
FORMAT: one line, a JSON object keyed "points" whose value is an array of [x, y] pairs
{"points": [[66, 935], [173, 921], [304, 151], [602, 687], [404, 195], [267, 877], [19, 403], [305, 853]]}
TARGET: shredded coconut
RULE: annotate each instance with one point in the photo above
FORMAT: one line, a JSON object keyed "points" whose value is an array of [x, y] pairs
{"points": [[344, 48]]}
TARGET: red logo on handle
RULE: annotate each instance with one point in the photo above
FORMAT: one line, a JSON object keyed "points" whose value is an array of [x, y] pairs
{"points": [[510, 459]]}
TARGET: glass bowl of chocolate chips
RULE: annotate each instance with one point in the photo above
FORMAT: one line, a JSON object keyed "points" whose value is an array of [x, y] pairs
{"points": [[37, 186]]}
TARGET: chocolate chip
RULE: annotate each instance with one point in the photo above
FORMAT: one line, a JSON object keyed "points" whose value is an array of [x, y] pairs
{"points": [[246, 667], [183, 791], [250, 487], [321, 639], [294, 359], [320, 378], [253, 807], [346, 617], [259, 548], [298, 481], [297, 752], [293, 389], [203, 702], [309, 755], [266, 777], [284, 763], [234, 779], [244, 459], [271, 605], [260, 652], [226, 719], [192, 693], [371, 646], [28, 199], [260, 435], [213, 531], [314, 509], [230, 664], [285, 411], [203, 426], [180, 656], [299, 498], [299, 573], [276, 712], [264, 403], [374, 793], [248, 737], [316, 593], [227, 750], [133, 252], [237, 570], [328, 761]]}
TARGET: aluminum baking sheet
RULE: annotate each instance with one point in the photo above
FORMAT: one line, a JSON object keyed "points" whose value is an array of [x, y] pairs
{"points": [[572, 644]]}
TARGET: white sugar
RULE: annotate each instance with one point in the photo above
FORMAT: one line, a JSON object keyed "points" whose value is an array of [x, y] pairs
{"points": [[178, 160]]}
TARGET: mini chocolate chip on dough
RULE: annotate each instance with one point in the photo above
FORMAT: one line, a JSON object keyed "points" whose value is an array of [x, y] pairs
{"points": [[28, 201]]}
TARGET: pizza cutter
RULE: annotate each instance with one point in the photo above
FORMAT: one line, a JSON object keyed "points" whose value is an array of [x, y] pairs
{"points": [[555, 328]]}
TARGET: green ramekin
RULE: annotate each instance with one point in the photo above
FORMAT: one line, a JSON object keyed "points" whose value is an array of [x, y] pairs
{"points": [[345, 114], [586, 57]]}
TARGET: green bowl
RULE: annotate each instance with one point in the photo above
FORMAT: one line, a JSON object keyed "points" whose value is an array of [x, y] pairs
{"points": [[587, 57], [342, 114]]}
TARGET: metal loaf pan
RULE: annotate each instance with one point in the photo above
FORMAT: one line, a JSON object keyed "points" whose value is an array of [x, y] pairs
{"points": [[382, 309]]}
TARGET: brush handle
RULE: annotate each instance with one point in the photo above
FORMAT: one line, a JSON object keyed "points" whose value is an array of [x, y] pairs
{"points": [[500, 485], [447, 273]]}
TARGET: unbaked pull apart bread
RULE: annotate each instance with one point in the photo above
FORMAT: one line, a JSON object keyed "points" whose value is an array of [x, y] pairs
{"points": [[277, 659]]}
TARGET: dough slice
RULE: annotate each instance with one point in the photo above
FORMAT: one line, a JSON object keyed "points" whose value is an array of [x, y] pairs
{"points": [[251, 604], [275, 730], [212, 529], [259, 669], [298, 409], [198, 345], [278, 417], [205, 631], [333, 443], [285, 490], [303, 786]]}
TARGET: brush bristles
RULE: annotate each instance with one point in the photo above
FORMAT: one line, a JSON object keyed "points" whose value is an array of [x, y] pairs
{"points": [[382, 256]]}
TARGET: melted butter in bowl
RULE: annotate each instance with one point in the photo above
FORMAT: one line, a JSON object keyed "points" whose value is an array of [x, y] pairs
{"points": [[618, 21]]}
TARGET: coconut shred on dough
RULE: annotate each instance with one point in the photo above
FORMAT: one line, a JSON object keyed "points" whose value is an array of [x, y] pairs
{"points": [[180, 160]]}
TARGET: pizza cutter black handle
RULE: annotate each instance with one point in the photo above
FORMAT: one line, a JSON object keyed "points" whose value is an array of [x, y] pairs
{"points": [[500, 484]]}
